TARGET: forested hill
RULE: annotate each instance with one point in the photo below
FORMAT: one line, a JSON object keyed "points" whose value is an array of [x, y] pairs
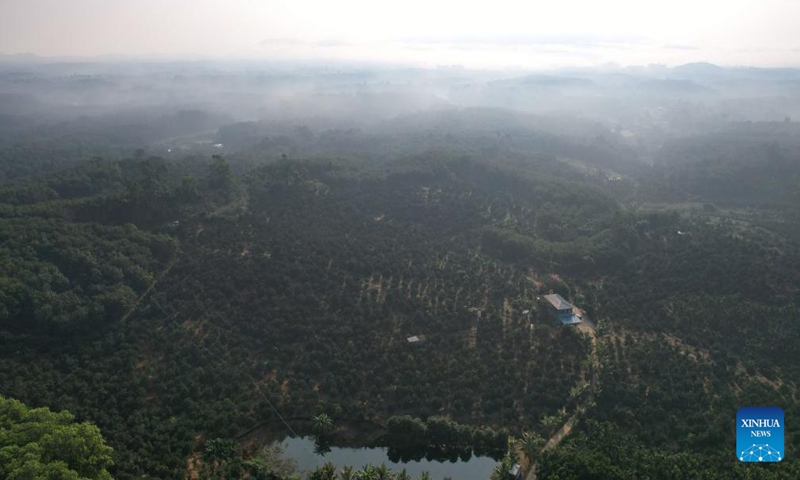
{"points": [[177, 302], [741, 164], [483, 132]]}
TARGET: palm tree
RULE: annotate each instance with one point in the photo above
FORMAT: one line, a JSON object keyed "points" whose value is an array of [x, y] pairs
{"points": [[551, 423], [367, 472], [219, 448], [531, 445], [323, 424], [503, 467], [499, 472], [511, 445], [402, 475], [425, 476], [383, 473], [347, 473], [325, 472]]}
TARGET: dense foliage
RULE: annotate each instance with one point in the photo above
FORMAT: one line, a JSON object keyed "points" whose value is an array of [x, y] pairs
{"points": [[38, 443], [602, 451], [193, 308]]}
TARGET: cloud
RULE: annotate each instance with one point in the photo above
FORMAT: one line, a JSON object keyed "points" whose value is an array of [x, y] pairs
{"points": [[576, 41], [282, 42], [298, 43], [681, 47], [332, 43]]}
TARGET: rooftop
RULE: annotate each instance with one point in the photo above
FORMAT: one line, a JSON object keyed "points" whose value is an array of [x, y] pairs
{"points": [[558, 302]]}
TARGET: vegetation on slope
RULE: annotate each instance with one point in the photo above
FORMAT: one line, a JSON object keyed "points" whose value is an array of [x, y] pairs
{"points": [[177, 303]]}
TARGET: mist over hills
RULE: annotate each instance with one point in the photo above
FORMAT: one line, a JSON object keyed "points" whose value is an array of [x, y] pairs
{"points": [[252, 90], [612, 117], [205, 257]]}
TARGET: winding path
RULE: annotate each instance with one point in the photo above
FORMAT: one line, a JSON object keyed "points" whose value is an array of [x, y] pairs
{"points": [[149, 289], [589, 328]]}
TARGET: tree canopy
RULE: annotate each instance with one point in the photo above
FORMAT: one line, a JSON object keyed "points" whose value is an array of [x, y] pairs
{"points": [[37, 443]]}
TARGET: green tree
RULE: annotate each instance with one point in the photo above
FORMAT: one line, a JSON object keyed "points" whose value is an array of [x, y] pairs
{"points": [[325, 472], [503, 467], [406, 431], [531, 445], [347, 473], [220, 175], [270, 461], [367, 472], [383, 473], [37, 443], [552, 422], [219, 448], [322, 425]]}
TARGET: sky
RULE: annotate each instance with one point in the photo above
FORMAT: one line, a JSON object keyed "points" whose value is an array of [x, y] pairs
{"points": [[474, 34]]}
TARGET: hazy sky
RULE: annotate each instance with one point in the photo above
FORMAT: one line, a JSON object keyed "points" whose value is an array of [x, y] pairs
{"points": [[490, 33]]}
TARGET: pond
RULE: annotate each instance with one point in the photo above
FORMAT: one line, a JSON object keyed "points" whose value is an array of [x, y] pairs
{"points": [[459, 466]]}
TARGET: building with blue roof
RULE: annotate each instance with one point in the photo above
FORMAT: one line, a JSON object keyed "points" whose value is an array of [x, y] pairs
{"points": [[562, 309]]}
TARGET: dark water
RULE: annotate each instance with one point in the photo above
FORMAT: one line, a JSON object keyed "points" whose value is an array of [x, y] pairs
{"points": [[463, 467]]}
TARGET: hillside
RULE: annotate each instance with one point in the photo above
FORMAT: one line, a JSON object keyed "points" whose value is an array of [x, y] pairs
{"points": [[181, 302]]}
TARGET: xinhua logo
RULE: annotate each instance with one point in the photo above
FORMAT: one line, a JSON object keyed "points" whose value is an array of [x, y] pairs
{"points": [[759, 434]]}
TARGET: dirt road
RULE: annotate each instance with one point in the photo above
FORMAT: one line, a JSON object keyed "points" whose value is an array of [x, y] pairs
{"points": [[588, 328]]}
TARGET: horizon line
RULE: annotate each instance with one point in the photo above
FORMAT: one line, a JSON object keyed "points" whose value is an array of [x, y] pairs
{"points": [[195, 57]]}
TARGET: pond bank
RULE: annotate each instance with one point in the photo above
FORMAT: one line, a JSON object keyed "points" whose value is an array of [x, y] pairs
{"points": [[461, 466]]}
